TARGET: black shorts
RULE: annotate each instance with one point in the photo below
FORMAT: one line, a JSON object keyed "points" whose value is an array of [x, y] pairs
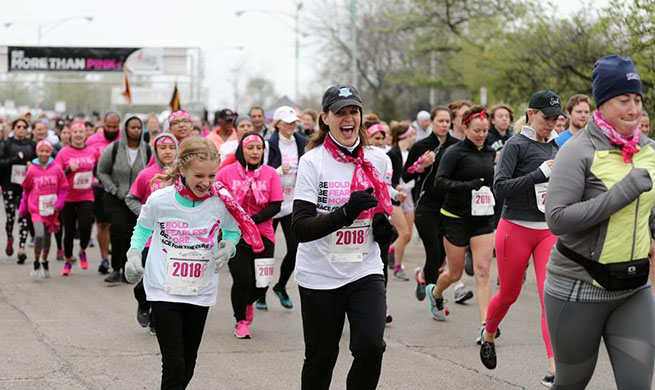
{"points": [[458, 231], [98, 209]]}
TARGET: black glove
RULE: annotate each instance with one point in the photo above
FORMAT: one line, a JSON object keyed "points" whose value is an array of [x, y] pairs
{"points": [[475, 184], [358, 202]]}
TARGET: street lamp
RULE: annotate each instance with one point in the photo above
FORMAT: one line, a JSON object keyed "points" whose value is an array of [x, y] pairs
{"points": [[45, 28], [296, 18]]}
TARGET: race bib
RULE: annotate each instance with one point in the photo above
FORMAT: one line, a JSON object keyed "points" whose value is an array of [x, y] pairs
{"points": [[82, 180], [187, 271], [482, 202], [540, 192], [350, 243], [18, 173], [47, 204], [263, 272]]}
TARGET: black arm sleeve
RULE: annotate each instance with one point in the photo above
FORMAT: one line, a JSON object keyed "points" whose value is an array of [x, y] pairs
{"points": [[308, 226], [412, 156], [267, 212]]}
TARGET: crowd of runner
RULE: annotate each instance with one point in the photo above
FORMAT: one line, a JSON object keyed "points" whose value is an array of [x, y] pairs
{"points": [[568, 186]]}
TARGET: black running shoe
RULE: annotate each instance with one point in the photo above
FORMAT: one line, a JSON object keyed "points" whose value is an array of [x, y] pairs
{"points": [[142, 317], [114, 277], [488, 355], [21, 257], [548, 380], [468, 262], [420, 284], [103, 268], [283, 296]]}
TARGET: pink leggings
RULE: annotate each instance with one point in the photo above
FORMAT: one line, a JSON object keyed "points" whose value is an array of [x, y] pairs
{"points": [[514, 245]]}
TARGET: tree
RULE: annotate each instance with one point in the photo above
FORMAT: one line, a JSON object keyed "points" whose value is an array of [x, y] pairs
{"points": [[260, 92]]}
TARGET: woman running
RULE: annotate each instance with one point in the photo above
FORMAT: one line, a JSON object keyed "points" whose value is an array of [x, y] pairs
{"points": [[521, 179], [78, 161], [44, 191], [257, 188], [339, 190], [600, 197], [185, 220], [465, 175], [16, 154], [243, 125], [166, 149]]}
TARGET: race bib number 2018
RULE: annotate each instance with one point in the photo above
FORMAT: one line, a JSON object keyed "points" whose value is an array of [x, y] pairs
{"points": [[482, 202], [186, 272], [350, 243]]}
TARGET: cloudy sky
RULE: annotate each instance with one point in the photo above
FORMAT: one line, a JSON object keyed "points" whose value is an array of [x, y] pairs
{"points": [[267, 41]]}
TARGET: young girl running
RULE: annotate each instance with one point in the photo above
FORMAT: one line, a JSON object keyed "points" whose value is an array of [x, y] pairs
{"points": [[257, 187], [44, 191], [186, 220]]}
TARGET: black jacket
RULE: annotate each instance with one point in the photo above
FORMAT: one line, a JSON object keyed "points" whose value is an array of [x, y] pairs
{"points": [[425, 191], [9, 150], [460, 171], [396, 157], [274, 155], [495, 140]]}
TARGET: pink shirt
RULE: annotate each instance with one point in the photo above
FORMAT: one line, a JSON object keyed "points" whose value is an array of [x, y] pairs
{"points": [[141, 188], [41, 182], [268, 182], [79, 182], [99, 142]]}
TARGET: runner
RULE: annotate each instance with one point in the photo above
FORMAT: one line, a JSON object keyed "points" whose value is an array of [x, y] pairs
{"points": [[465, 174], [77, 160], [521, 179], [180, 125], [259, 121], [65, 140], [286, 146], [44, 189], [338, 270], [600, 197], [166, 149], [457, 110], [243, 125], [257, 187], [16, 154], [181, 273], [118, 168], [225, 129]]}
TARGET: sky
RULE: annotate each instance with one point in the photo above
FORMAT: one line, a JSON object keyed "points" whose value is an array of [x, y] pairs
{"points": [[264, 35]]}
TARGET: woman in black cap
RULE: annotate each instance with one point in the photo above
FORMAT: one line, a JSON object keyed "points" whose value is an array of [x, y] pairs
{"points": [[339, 191], [600, 197]]}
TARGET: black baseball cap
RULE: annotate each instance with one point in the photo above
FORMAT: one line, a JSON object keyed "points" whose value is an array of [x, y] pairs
{"points": [[339, 96], [60, 123], [547, 102], [226, 114]]}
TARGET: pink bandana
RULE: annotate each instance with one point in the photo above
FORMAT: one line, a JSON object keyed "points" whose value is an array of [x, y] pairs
{"points": [[76, 125], [178, 114], [410, 130], [250, 185], [164, 141], [252, 138], [365, 176], [249, 230], [43, 143], [628, 143], [376, 128]]}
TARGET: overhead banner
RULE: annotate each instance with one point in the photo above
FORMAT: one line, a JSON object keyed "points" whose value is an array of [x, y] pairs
{"points": [[84, 59]]}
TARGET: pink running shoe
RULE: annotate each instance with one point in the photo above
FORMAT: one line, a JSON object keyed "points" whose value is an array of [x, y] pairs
{"points": [[83, 263], [241, 330], [250, 313], [66, 270]]}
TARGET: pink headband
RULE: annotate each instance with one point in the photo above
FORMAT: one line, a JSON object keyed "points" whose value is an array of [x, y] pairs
{"points": [[410, 130], [164, 140], [252, 138], [178, 114], [376, 128], [78, 124], [43, 143]]}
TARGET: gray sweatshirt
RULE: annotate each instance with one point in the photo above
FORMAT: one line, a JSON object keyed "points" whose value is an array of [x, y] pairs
{"points": [[118, 178]]}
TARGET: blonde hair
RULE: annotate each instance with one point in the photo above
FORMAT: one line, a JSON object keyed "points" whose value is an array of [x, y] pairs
{"points": [[523, 120], [191, 149]]}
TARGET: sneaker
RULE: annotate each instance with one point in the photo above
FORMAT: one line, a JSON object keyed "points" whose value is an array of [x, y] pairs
{"points": [[35, 274], [104, 267], [83, 263], [436, 305], [462, 294], [91, 243], [250, 313], [46, 270], [283, 296], [241, 330], [400, 275], [114, 277], [478, 338], [142, 316], [468, 262], [152, 331], [261, 303], [420, 284], [391, 259], [66, 270], [21, 257], [60, 255], [548, 380], [488, 355], [389, 319], [9, 250]]}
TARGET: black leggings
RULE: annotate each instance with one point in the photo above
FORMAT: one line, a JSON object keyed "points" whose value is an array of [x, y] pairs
{"points": [[242, 267], [77, 214], [12, 200], [59, 235], [289, 261], [179, 328], [428, 224], [323, 316], [139, 290], [122, 221]]}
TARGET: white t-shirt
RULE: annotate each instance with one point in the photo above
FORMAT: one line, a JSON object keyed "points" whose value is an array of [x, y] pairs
{"points": [[176, 227], [132, 155], [325, 182], [228, 148], [289, 154]]}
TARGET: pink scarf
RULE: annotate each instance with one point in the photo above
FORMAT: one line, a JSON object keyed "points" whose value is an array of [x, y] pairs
{"points": [[628, 143], [249, 185], [249, 230], [365, 176]]}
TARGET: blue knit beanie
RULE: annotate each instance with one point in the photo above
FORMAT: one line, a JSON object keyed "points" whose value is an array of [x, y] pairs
{"points": [[613, 76]]}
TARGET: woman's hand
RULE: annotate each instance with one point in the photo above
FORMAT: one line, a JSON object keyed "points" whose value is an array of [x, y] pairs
{"points": [[428, 159], [74, 166]]}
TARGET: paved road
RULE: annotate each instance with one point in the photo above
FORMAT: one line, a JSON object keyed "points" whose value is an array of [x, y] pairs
{"points": [[79, 333]]}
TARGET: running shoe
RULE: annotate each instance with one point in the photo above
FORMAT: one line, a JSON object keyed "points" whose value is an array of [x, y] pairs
{"points": [[91, 243], [548, 380], [21, 256], [488, 355], [114, 277], [283, 296], [261, 303], [462, 294], [36, 272], [391, 259], [436, 305], [60, 255], [142, 316], [241, 330], [104, 267], [478, 338], [83, 263], [46, 270], [152, 331], [388, 320], [400, 275], [468, 262], [66, 270], [9, 250], [250, 313], [420, 284]]}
